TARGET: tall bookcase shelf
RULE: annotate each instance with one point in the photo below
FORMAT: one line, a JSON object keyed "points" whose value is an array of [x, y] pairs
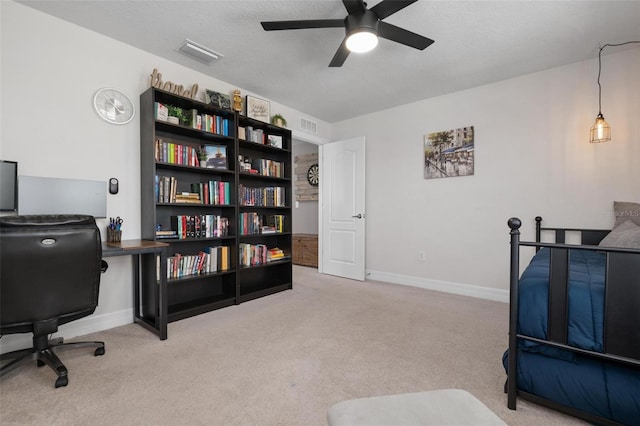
{"points": [[228, 220]]}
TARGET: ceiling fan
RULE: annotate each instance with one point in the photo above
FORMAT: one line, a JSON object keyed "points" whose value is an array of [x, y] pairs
{"points": [[363, 27]]}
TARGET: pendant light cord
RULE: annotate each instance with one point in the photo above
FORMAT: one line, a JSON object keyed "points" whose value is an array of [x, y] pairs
{"points": [[600, 69]]}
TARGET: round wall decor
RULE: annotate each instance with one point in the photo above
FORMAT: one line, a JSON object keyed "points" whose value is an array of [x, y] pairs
{"points": [[113, 106], [313, 175]]}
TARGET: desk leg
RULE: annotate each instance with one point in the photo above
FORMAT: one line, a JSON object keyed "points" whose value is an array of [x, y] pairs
{"points": [[155, 301]]}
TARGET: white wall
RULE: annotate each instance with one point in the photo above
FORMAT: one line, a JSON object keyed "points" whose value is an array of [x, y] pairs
{"points": [[532, 158], [50, 70]]}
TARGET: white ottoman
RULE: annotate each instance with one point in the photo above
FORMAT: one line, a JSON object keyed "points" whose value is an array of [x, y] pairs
{"points": [[439, 407]]}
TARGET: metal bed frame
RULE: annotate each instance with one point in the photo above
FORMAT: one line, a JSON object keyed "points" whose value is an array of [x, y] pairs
{"points": [[621, 336]]}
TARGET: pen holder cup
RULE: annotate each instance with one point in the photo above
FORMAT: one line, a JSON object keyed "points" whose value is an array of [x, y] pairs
{"points": [[113, 236]]}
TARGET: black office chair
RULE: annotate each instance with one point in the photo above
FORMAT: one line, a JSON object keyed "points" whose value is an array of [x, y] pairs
{"points": [[50, 268]]}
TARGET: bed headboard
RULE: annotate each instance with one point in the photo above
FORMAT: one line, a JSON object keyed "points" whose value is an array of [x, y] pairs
{"points": [[589, 237]]}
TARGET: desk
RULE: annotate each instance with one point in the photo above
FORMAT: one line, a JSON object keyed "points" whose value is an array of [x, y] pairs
{"points": [[153, 316]]}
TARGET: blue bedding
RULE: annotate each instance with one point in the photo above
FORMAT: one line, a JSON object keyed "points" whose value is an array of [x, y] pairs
{"points": [[586, 298], [602, 388]]}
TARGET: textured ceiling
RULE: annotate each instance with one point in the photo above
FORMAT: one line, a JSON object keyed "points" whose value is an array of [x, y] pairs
{"points": [[476, 42]]}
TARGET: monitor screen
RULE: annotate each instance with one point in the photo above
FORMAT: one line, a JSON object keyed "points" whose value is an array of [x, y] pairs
{"points": [[8, 185]]}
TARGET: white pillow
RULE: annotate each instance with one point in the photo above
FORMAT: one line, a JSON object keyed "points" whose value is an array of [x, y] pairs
{"points": [[626, 235]]}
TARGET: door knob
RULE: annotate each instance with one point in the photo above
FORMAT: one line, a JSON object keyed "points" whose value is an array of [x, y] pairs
{"points": [[358, 216]]}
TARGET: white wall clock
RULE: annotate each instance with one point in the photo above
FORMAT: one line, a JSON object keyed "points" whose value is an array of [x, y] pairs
{"points": [[113, 106]]}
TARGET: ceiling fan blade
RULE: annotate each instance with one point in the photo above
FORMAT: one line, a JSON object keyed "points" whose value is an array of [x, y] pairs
{"points": [[301, 25], [341, 55], [354, 6], [402, 36], [389, 7]]}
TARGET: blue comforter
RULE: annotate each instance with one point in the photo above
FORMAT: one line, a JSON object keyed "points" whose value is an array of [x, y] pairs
{"points": [[602, 388], [586, 298]]}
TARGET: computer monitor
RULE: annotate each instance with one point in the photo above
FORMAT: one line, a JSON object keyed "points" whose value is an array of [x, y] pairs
{"points": [[8, 186]]}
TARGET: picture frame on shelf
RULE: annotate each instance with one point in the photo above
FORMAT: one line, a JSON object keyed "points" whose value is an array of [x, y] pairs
{"points": [[216, 157], [275, 141], [217, 99], [258, 109]]}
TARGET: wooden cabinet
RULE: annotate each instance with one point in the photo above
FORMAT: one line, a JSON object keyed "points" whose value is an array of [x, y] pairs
{"points": [[305, 250], [210, 200]]}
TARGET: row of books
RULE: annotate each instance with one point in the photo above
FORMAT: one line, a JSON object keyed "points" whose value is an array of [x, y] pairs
{"points": [[262, 166], [266, 196], [252, 135], [173, 153], [211, 259], [190, 117], [254, 223], [212, 192], [258, 254], [199, 226]]}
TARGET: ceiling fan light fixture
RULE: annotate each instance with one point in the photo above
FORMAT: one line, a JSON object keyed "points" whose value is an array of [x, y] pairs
{"points": [[362, 41]]}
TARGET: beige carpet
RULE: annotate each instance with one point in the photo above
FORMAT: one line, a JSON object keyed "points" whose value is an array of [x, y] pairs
{"points": [[280, 360]]}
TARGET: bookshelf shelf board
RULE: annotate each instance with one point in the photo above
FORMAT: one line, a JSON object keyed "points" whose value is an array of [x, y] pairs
{"points": [[247, 295], [171, 166], [266, 234], [201, 205], [199, 276], [261, 147], [186, 310], [285, 259], [191, 240], [256, 176], [180, 130]]}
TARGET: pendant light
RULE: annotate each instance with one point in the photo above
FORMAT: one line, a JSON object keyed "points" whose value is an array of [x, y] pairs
{"points": [[600, 130]]}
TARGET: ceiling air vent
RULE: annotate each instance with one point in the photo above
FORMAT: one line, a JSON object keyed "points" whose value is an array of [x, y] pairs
{"points": [[199, 52], [308, 126]]}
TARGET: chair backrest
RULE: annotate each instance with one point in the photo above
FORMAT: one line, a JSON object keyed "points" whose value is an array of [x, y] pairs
{"points": [[49, 271]]}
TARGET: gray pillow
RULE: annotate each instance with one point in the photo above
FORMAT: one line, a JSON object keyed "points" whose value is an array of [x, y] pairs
{"points": [[626, 235], [625, 211]]}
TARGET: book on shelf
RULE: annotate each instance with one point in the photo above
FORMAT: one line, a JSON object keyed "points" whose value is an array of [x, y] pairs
{"points": [[200, 226], [275, 254], [242, 133], [173, 153], [254, 135], [160, 235], [216, 156], [267, 167], [161, 111], [258, 254], [213, 192], [252, 223], [165, 189], [209, 260], [267, 196], [188, 198]]}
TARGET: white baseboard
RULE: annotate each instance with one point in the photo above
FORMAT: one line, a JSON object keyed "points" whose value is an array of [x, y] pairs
{"points": [[86, 325], [443, 286]]}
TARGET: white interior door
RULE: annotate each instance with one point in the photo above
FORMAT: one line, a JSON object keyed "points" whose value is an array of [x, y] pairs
{"points": [[342, 209]]}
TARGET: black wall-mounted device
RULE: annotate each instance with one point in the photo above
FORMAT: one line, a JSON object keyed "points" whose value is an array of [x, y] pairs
{"points": [[113, 186]]}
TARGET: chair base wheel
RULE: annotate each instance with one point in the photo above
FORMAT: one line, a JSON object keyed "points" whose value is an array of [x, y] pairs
{"points": [[99, 351]]}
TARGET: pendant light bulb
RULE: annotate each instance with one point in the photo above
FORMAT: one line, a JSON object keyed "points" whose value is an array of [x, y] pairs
{"points": [[600, 130]]}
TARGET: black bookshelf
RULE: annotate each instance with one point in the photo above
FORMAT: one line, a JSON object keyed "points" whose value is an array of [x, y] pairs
{"points": [[195, 293]]}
